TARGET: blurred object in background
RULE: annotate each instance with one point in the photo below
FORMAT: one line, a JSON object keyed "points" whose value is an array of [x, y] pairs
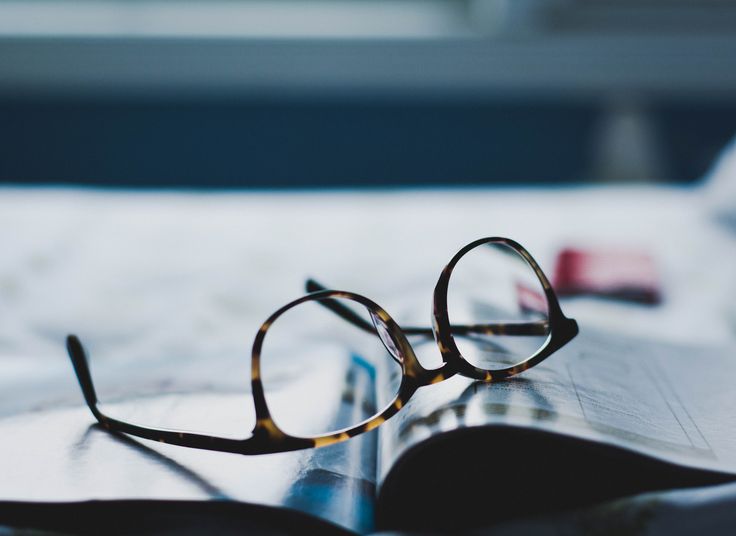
{"points": [[720, 183], [720, 203], [627, 147], [370, 93], [628, 275]]}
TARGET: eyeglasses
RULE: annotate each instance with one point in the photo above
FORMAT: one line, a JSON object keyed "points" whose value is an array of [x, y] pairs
{"points": [[494, 315]]}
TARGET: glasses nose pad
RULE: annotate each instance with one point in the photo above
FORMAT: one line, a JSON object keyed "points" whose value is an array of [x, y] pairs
{"points": [[385, 335]]}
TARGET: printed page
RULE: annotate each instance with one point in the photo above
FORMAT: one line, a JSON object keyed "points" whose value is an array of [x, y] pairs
{"points": [[670, 402]]}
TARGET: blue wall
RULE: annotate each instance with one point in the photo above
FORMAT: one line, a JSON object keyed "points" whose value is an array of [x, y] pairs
{"points": [[327, 142]]}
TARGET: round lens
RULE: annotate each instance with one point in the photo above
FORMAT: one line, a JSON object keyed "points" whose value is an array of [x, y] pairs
{"points": [[322, 373], [498, 310]]}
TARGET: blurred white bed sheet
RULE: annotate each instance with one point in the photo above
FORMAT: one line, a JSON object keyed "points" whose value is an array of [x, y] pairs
{"points": [[194, 274]]}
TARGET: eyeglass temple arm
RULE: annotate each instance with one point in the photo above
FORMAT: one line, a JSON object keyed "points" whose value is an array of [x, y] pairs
{"points": [[540, 327], [79, 360]]}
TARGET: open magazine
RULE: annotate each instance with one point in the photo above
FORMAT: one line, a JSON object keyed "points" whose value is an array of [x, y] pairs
{"points": [[606, 416]]}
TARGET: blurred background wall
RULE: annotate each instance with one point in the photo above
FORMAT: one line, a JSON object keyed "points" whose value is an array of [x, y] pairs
{"points": [[300, 93]]}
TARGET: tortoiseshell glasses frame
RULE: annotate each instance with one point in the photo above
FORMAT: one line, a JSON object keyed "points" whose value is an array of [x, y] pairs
{"points": [[267, 437]]}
